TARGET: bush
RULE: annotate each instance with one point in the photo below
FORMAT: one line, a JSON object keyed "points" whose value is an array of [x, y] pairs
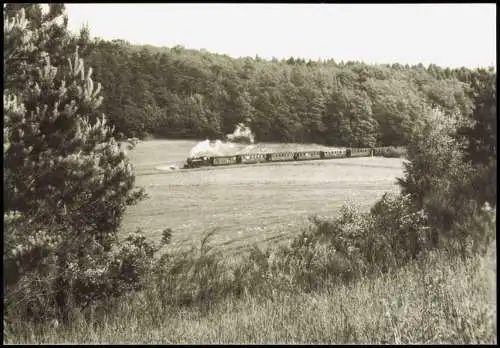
{"points": [[398, 232], [391, 151], [48, 278], [440, 180], [354, 244]]}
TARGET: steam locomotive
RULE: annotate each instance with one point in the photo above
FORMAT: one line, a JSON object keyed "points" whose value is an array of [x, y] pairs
{"points": [[277, 157]]}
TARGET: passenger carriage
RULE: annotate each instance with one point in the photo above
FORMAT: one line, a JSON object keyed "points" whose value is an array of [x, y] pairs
{"points": [[280, 156], [223, 160], [307, 155], [360, 152], [252, 158], [337, 153]]}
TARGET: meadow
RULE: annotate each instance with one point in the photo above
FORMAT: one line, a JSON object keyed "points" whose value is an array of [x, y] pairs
{"points": [[246, 204]]}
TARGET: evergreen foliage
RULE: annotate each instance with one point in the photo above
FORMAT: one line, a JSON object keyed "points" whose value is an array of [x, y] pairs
{"points": [[67, 181]]}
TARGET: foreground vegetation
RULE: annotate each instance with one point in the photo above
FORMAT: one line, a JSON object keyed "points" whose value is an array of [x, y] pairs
{"points": [[432, 300], [68, 276]]}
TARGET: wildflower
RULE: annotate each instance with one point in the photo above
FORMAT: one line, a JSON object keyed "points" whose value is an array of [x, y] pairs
{"points": [[486, 207]]}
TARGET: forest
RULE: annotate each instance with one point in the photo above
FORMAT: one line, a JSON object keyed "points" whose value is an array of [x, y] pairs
{"points": [[184, 93]]}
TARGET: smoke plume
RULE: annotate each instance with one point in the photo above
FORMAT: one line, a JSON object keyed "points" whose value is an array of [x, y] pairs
{"points": [[242, 135], [210, 148]]}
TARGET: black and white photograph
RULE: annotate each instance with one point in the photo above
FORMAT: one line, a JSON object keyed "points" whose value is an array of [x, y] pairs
{"points": [[249, 173]]}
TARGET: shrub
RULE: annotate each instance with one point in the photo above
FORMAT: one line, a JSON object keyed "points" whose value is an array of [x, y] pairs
{"points": [[354, 244], [398, 232], [440, 180], [46, 277], [390, 151]]}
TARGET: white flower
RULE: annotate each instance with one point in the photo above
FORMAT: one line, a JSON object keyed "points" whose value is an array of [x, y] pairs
{"points": [[486, 207]]}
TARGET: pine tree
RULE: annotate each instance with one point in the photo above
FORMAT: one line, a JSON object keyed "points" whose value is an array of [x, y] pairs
{"points": [[67, 182], [61, 149]]}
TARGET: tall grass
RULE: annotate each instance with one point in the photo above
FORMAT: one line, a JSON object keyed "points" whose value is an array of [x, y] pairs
{"points": [[435, 299]]}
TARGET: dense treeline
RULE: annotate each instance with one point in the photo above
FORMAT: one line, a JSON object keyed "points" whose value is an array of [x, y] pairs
{"points": [[177, 92]]}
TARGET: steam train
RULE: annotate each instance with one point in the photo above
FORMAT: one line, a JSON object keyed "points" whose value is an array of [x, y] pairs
{"points": [[277, 157]]}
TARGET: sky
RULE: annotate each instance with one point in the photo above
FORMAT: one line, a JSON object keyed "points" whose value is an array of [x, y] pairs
{"points": [[448, 35]]}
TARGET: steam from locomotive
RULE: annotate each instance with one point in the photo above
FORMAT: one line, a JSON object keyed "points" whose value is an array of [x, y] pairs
{"points": [[241, 135], [209, 148]]}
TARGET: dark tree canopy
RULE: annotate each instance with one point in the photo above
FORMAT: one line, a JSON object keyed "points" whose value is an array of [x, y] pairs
{"points": [[178, 92]]}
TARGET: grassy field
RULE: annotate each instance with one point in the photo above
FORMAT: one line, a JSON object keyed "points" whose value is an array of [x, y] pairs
{"points": [[261, 204], [434, 300]]}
